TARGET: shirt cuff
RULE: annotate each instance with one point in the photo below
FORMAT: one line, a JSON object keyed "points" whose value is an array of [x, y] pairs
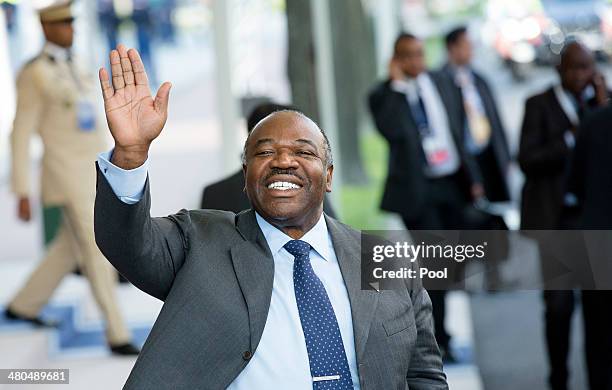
{"points": [[128, 185], [570, 200]]}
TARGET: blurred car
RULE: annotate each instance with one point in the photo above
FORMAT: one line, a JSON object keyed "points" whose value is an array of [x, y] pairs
{"points": [[534, 32], [606, 27], [572, 19], [514, 28]]}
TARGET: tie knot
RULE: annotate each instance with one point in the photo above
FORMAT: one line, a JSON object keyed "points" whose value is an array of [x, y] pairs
{"points": [[298, 248]]}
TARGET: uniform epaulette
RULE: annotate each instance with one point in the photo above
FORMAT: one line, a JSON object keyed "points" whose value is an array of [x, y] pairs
{"points": [[33, 60]]}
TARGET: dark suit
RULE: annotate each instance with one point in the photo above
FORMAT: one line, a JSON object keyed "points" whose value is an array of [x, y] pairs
{"points": [[493, 161], [422, 202], [407, 189], [592, 171], [228, 195], [591, 182], [214, 271], [545, 159]]}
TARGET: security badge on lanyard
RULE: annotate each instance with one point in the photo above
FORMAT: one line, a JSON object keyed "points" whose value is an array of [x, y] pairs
{"points": [[435, 153], [86, 115]]}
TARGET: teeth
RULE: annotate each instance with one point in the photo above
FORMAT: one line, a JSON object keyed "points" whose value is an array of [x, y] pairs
{"points": [[283, 185]]}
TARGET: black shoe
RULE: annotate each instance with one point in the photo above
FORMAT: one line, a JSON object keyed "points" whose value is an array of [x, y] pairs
{"points": [[36, 321], [126, 349]]}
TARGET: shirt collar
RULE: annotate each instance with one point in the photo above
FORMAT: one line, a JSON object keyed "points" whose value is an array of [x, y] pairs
{"points": [[572, 98], [57, 52], [417, 80], [413, 86], [423, 81], [317, 237], [587, 94], [457, 68], [463, 70]]}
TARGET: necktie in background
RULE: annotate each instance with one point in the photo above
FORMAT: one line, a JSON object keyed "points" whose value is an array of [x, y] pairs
{"points": [[435, 150], [478, 123], [328, 363], [419, 114]]}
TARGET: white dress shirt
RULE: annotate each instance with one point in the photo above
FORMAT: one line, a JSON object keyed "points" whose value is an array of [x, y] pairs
{"points": [[441, 138], [281, 358]]}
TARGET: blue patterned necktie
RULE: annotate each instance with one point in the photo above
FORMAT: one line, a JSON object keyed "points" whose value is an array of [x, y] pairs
{"points": [[328, 364]]}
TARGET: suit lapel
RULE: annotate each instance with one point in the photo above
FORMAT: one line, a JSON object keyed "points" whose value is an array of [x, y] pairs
{"points": [[254, 267], [556, 105], [363, 302], [413, 136], [485, 97], [450, 96]]}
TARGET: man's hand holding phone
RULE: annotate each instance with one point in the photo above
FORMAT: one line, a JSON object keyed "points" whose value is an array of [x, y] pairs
{"points": [[601, 89], [395, 70]]}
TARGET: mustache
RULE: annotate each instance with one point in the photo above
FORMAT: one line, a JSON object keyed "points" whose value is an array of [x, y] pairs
{"points": [[280, 171]]}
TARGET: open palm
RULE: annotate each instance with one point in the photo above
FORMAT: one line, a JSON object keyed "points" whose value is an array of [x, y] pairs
{"points": [[135, 119]]}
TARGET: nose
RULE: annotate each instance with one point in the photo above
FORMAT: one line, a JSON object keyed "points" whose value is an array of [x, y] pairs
{"points": [[284, 159]]}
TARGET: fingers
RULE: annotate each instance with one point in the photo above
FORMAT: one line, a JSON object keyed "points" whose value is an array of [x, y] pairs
{"points": [[107, 91], [126, 65], [162, 98], [23, 210], [140, 75], [115, 60]]}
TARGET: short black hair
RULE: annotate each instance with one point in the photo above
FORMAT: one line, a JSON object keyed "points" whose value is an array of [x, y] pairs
{"points": [[454, 35], [403, 35], [263, 110]]}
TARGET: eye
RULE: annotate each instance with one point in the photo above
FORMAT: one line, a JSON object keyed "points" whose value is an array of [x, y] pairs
{"points": [[263, 153], [305, 153]]}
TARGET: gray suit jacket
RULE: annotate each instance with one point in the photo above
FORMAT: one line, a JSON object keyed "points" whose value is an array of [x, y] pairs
{"points": [[214, 271]]}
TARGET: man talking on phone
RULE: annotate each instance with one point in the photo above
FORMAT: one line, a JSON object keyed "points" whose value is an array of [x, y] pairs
{"points": [[550, 127], [269, 298], [432, 179]]}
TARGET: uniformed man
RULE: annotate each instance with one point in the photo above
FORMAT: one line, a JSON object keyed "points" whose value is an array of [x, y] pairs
{"points": [[56, 100]]}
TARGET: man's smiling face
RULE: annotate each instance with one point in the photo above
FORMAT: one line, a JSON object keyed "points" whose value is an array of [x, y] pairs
{"points": [[286, 170]]}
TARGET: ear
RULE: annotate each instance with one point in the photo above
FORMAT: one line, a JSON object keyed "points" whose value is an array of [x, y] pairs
{"points": [[244, 173], [328, 178], [45, 28]]}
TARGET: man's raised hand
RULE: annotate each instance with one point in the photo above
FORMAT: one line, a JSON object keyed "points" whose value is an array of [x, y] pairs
{"points": [[134, 118]]}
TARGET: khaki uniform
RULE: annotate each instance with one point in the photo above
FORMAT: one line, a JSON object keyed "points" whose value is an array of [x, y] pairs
{"points": [[51, 91]]}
